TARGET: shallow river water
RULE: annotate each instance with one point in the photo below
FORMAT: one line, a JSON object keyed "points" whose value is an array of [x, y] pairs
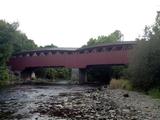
{"points": [[18, 102]]}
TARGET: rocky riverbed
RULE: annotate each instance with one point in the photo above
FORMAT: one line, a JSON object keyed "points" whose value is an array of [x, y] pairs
{"points": [[78, 103], [104, 104]]}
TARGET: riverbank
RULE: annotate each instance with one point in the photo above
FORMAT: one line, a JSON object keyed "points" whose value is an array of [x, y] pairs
{"points": [[105, 104], [75, 102]]}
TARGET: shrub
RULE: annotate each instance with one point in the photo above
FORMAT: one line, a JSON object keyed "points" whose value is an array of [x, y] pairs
{"points": [[155, 93], [120, 84], [4, 75]]}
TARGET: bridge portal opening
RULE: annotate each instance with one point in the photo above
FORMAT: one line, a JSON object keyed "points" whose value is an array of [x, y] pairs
{"points": [[99, 74], [50, 74]]}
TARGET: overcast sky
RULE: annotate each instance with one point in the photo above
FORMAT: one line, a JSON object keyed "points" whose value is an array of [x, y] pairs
{"points": [[70, 23]]}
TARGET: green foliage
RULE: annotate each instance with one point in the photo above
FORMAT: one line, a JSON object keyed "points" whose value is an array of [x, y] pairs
{"points": [[4, 73], [11, 41], [53, 73], [22, 43], [113, 37], [155, 93], [50, 46], [145, 60], [6, 36], [118, 72]]}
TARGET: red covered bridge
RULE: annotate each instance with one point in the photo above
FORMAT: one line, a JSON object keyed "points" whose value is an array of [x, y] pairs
{"points": [[105, 54]]}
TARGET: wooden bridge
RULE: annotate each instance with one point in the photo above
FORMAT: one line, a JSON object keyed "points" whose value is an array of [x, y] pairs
{"points": [[79, 58]]}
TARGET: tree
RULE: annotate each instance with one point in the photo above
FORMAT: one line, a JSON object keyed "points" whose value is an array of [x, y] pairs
{"points": [[113, 37], [50, 46], [11, 41], [145, 61], [22, 43], [6, 36]]}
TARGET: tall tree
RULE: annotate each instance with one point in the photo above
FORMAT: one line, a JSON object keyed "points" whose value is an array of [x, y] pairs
{"points": [[11, 41], [111, 38], [145, 60], [6, 36]]}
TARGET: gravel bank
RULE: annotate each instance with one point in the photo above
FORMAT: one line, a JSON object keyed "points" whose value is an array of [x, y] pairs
{"points": [[148, 107], [104, 104]]}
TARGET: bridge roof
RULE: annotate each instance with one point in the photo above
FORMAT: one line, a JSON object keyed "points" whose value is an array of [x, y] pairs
{"points": [[109, 44], [56, 49], [78, 49]]}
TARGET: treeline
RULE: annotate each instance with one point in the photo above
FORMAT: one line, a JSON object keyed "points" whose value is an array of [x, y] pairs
{"points": [[11, 41], [116, 36], [144, 65]]}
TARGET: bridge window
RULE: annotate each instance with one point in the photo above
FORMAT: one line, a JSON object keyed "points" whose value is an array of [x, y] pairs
{"points": [[108, 48], [20, 56], [75, 52], [65, 53], [86, 51], [45, 53], [27, 55], [57, 53], [94, 50], [99, 49], [81, 52], [69, 52], [90, 50], [61, 52], [41, 54], [117, 47], [14, 56], [38, 53], [53, 52], [128, 47], [34, 54], [31, 54], [49, 53], [103, 49]]}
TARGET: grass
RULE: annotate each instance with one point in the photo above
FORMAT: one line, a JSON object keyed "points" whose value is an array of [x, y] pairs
{"points": [[155, 93], [120, 84], [3, 83]]}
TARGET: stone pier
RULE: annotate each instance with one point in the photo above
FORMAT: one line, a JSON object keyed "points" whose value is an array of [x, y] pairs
{"points": [[79, 75]]}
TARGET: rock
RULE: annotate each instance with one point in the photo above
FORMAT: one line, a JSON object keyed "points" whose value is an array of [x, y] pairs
{"points": [[126, 111], [78, 116], [126, 95], [59, 106], [112, 111], [134, 118]]}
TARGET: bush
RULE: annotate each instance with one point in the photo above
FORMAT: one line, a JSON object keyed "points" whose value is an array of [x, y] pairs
{"points": [[121, 84], [155, 93], [4, 75]]}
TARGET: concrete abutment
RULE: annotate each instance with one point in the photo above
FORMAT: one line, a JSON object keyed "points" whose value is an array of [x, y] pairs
{"points": [[79, 75]]}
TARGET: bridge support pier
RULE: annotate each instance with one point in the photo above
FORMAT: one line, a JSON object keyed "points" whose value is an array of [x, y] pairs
{"points": [[82, 76], [79, 75], [75, 74], [28, 75]]}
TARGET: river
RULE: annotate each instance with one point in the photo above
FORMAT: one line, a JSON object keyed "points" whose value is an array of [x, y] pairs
{"points": [[19, 102]]}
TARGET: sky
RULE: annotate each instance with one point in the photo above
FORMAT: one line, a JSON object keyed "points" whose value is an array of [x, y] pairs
{"points": [[71, 23]]}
